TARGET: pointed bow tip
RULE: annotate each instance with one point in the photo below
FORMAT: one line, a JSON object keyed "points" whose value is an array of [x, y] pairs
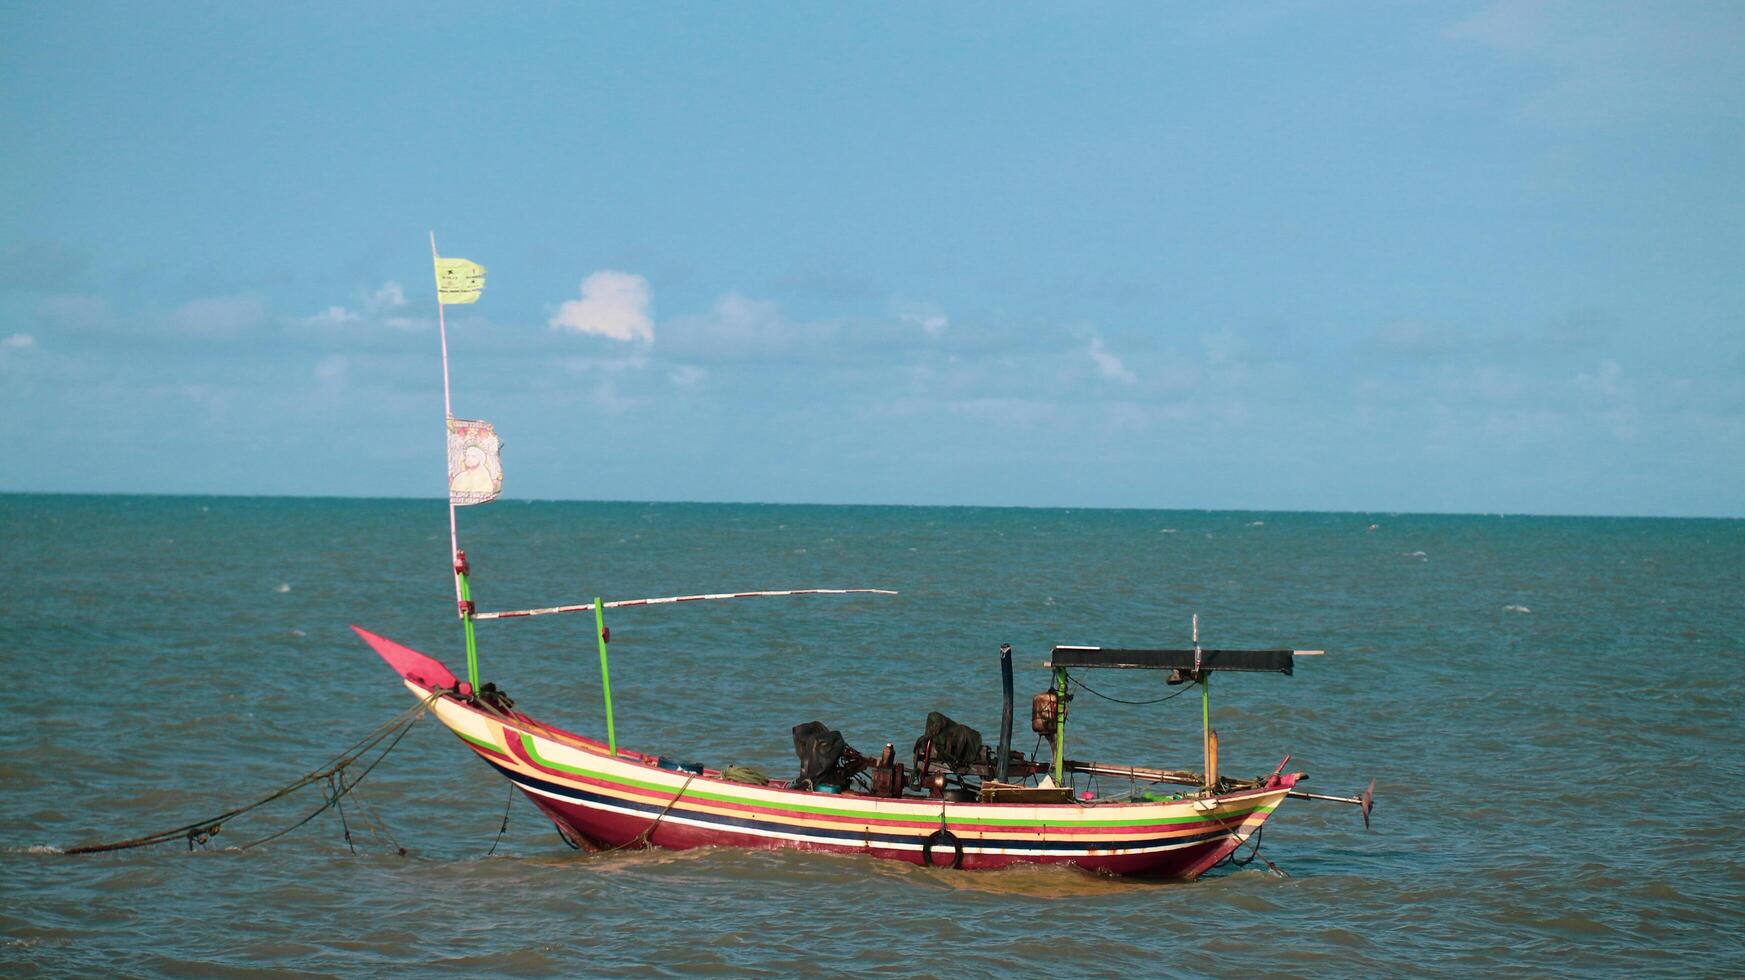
{"points": [[426, 672]]}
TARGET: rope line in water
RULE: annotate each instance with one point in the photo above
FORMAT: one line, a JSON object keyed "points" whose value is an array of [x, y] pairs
{"points": [[201, 831], [505, 828], [344, 787]]}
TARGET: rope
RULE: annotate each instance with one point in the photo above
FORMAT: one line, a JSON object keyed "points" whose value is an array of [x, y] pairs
{"points": [[1254, 851], [374, 821], [344, 825], [505, 828], [641, 840], [344, 788], [200, 831], [1087, 689]]}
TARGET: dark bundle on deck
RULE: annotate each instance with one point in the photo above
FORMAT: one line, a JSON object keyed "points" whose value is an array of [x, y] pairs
{"points": [[954, 745], [825, 756]]}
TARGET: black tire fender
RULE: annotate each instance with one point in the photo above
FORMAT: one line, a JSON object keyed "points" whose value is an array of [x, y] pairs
{"points": [[942, 836]]}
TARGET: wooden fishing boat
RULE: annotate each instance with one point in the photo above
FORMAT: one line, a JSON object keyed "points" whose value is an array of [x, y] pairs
{"points": [[600, 796], [957, 804]]}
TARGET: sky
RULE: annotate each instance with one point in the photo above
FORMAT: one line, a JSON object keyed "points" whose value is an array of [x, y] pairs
{"points": [[1450, 257]]}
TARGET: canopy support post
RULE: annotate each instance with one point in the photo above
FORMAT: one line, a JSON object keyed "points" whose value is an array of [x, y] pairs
{"points": [[603, 636], [1003, 763], [1059, 739], [466, 618], [1204, 679], [1210, 736], [465, 604]]}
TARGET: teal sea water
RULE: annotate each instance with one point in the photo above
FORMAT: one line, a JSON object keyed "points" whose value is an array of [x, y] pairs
{"points": [[1550, 708]]}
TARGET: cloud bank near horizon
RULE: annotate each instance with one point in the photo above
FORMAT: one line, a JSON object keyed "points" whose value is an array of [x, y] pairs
{"points": [[1479, 257]]}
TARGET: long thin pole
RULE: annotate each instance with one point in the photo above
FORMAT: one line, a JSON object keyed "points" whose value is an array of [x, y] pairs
{"points": [[1059, 726], [466, 618], [1205, 681], [1003, 763], [605, 674], [447, 407], [463, 599]]}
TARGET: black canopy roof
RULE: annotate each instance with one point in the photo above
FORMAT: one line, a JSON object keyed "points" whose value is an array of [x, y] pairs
{"points": [[1254, 660]]}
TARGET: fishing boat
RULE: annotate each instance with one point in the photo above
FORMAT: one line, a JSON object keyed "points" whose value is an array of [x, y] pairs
{"points": [[952, 803]]}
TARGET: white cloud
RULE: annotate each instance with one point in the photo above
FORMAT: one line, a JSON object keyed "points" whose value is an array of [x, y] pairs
{"points": [[928, 318], [333, 316], [13, 345], [379, 307], [331, 372], [219, 318], [1604, 381], [613, 304], [386, 299], [687, 375], [74, 312], [740, 329], [1109, 364], [1605, 63]]}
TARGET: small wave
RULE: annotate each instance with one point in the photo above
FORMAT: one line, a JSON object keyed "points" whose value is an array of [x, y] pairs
{"points": [[1516, 609], [1256, 523], [1421, 556], [35, 849], [282, 587], [298, 633], [1166, 530]]}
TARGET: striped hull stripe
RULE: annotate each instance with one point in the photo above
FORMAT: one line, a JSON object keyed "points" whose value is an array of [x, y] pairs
{"points": [[852, 838], [619, 799]]}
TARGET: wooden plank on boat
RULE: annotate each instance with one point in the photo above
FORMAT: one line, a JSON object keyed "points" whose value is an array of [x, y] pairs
{"points": [[993, 792]]}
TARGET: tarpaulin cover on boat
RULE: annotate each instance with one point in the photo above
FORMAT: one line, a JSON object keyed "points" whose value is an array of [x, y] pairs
{"points": [[954, 744], [821, 750], [1257, 660]]}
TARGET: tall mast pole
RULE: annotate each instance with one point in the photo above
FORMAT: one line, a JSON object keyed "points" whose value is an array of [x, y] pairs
{"points": [[447, 405], [462, 593]]}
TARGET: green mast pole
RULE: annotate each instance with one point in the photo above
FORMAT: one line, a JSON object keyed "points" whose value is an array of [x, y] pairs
{"points": [[466, 618], [605, 674], [1205, 681], [1059, 726], [1206, 723]]}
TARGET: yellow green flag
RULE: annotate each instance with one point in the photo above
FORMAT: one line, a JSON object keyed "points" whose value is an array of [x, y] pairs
{"points": [[459, 280]]}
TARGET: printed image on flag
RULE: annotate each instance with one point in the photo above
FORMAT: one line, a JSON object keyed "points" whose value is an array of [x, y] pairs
{"points": [[459, 281], [475, 468]]}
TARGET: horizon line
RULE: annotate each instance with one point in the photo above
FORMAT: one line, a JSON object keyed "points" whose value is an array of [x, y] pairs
{"points": [[959, 506]]}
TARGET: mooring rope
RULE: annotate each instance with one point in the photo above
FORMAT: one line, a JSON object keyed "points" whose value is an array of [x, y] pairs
{"points": [[641, 840], [505, 828], [201, 831]]}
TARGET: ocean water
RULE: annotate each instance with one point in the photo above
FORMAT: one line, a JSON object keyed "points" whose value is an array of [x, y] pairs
{"points": [[1550, 708]]}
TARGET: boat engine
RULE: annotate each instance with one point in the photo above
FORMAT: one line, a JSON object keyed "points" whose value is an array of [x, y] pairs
{"points": [[888, 777]]}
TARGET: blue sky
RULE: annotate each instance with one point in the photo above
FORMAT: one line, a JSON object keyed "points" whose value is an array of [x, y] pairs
{"points": [[1470, 257]]}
